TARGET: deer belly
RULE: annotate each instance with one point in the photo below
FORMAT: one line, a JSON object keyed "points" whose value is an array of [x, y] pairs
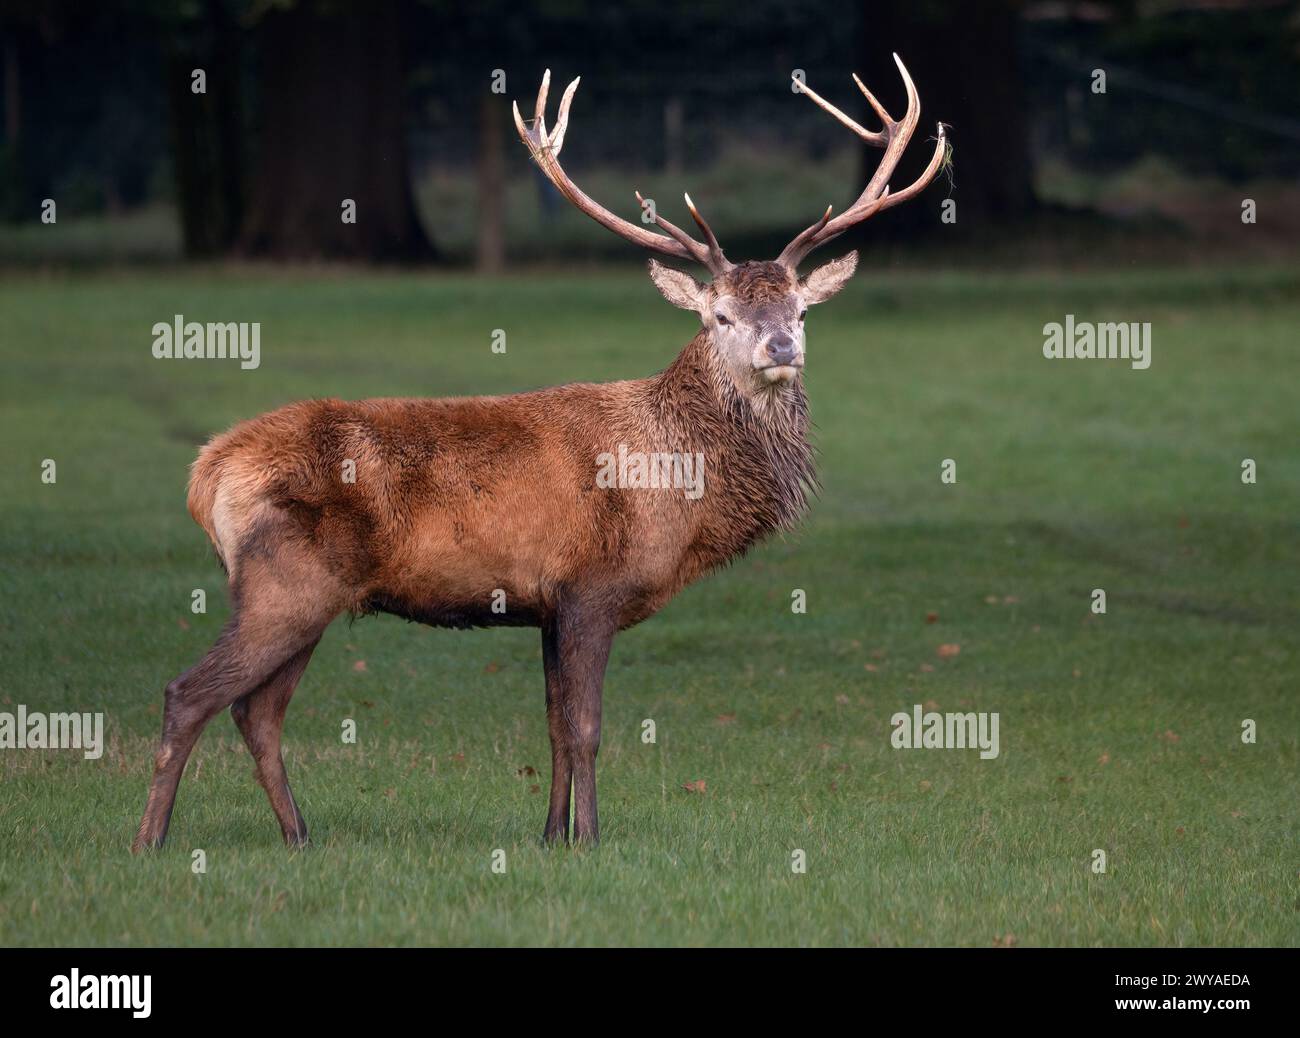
{"points": [[455, 576], [461, 595]]}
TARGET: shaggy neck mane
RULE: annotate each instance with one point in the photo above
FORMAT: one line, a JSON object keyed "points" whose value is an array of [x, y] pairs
{"points": [[760, 464]]}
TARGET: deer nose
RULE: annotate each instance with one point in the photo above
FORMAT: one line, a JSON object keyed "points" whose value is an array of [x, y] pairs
{"points": [[780, 347]]}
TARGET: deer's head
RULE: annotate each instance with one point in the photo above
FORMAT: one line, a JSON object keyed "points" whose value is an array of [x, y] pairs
{"points": [[753, 312]]}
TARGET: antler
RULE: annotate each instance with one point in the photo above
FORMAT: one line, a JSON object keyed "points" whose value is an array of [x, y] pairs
{"points": [[876, 197], [545, 149]]}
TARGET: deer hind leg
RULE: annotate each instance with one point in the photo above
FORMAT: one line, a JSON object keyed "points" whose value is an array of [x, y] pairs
{"points": [[259, 717], [284, 598]]}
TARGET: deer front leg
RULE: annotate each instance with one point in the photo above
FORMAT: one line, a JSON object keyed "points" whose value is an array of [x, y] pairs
{"points": [[584, 636], [557, 818]]}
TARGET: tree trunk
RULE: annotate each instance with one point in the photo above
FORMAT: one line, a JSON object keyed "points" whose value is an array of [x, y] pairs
{"points": [[14, 201], [674, 136], [333, 129], [965, 63], [490, 249], [13, 99], [207, 135]]}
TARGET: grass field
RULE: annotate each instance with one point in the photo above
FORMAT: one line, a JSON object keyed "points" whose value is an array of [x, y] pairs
{"points": [[1119, 732]]}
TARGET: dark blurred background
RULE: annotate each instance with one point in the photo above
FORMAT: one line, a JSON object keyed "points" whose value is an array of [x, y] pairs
{"points": [[391, 103]]}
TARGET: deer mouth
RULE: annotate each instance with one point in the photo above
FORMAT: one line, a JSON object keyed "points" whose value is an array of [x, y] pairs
{"points": [[780, 372]]}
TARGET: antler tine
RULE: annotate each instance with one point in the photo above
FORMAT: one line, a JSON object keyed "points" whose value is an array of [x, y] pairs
{"points": [[923, 181], [876, 106], [539, 111], [876, 196], [545, 150], [698, 250], [710, 255], [715, 250], [562, 119], [802, 239], [871, 137]]}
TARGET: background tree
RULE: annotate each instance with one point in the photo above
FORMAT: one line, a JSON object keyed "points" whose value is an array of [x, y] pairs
{"points": [[331, 89], [207, 128]]}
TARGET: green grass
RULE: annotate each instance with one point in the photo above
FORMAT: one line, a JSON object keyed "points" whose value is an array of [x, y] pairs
{"points": [[1118, 732]]}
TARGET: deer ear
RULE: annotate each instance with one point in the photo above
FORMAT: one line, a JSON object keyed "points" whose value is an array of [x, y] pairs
{"points": [[828, 279], [678, 287]]}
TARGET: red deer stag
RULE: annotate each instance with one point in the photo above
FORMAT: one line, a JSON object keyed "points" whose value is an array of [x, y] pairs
{"points": [[454, 501]]}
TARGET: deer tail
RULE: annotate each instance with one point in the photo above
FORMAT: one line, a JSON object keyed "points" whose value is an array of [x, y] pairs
{"points": [[205, 485]]}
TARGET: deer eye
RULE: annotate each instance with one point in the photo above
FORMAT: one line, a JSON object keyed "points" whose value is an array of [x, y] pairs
{"points": [[803, 313], [721, 319]]}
